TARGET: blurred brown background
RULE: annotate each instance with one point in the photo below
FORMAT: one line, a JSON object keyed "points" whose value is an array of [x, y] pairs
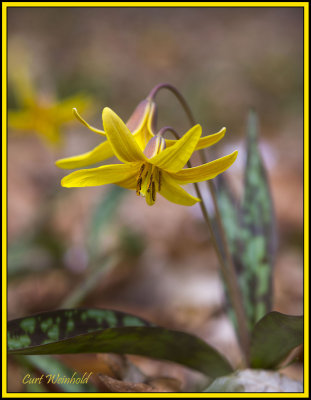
{"points": [[224, 61]]}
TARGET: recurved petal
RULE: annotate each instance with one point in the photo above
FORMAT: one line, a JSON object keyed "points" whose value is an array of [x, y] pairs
{"points": [[174, 193], [203, 142], [122, 141], [147, 128], [99, 153], [205, 171], [209, 140], [92, 128], [102, 175], [174, 158]]}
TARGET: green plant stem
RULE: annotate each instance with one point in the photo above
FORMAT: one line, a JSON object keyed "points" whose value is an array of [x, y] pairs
{"points": [[226, 263]]}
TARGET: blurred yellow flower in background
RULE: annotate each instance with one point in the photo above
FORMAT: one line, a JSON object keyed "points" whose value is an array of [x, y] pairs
{"points": [[149, 168], [39, 111], [45, 118]]}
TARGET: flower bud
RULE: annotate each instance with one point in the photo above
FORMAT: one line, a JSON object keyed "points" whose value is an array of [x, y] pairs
{"points": [[146, 109], [154, 146]]}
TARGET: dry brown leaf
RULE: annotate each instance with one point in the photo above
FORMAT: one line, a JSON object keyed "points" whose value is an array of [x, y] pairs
{"points": [[153, 385], [163, 384], [115, 386], [115, 364]]}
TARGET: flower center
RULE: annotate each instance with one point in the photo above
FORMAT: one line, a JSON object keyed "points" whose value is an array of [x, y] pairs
{"points": [[149, 182], [149, 176]]}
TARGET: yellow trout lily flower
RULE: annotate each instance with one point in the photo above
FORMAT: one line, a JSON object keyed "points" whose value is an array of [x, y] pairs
{"points": [[142, 125], [155, 169]]}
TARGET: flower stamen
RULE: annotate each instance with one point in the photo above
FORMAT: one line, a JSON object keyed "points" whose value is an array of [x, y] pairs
{"points": [[138, 187], [153, 191], [150, 182], [159, 180], [141, 171]]}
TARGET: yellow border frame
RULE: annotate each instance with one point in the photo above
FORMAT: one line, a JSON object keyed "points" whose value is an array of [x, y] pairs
{"points": [[305, 6]]}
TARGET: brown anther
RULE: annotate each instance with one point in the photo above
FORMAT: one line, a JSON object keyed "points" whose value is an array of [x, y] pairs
{"points": [[153, 192], [150, 183], [146, 174], [141, 170], [160, 180], [138, 187]]}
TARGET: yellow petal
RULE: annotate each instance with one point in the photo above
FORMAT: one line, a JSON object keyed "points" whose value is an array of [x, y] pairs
{"points": [[100, 153], [101, 175], [92, 128], [122, 141], [174, 193], [209, 140], [146, 130], [174, 158], [129, 183], [205, 171], [203, 142]]}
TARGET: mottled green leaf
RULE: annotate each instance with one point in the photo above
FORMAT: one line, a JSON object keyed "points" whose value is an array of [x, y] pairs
{"points": [[106, 331], [250, 229], [230, 213], [53, 372], [273, 337], [258, 227], [57, 325]]}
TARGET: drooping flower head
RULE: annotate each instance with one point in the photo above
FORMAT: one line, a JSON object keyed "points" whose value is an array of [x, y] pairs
{"points": [[150, 164], [142, 125]]}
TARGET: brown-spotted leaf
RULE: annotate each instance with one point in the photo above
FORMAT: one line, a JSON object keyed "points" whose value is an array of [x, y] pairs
{"points": [[250, 229], [258, 227], [107, 331]]}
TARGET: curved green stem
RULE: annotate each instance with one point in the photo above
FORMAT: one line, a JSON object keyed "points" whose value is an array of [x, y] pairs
{"points": [[226, 263]]}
